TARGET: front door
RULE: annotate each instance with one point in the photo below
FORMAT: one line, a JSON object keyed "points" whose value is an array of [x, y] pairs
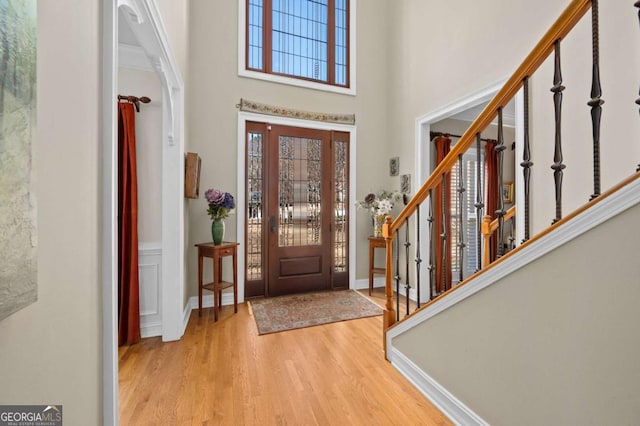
{"points": [[297, 210]]}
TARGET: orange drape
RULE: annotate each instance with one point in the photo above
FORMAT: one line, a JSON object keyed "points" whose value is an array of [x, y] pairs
{"points": [[443, 278], [128, 286], [493, 192]]}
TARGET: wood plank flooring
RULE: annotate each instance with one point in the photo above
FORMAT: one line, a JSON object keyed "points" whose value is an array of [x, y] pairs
{"points": [[225, 374]]}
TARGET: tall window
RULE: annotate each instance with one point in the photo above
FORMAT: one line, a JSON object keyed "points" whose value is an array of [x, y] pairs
{"points": [[469, 231], [305, 39]]}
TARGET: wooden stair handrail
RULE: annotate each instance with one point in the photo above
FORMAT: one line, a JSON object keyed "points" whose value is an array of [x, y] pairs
{"points": [[561, 27], [488, 228]]}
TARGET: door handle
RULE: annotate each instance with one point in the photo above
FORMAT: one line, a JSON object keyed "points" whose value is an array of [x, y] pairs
{"points": [[272, 223]]}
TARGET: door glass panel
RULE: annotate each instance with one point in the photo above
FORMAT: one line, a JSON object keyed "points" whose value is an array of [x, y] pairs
{"points": [[254, 206], [299, 191], [341, 194]]}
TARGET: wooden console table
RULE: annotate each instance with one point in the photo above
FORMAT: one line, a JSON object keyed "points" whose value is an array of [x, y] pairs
{"points": [[216, 253], [374, 243]]}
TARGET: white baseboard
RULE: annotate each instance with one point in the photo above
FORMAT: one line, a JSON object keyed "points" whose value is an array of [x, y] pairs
{"points": [[448, 404], [378, 282], [207, 302], [363, 284], [151, 330]]}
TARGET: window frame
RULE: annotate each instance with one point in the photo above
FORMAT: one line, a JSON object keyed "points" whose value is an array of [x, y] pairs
{"points": [[243, 71]]}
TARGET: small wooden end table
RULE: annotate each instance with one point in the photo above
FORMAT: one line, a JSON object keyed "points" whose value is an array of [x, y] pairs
{"points": [[374, 243], [216, 253]]}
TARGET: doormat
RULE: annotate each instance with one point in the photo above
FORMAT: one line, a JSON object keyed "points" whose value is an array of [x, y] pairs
{"points": [[283, 313]]}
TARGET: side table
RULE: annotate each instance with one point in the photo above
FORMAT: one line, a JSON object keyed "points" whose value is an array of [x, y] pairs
{"points": [[216, 253], [374, 243]]}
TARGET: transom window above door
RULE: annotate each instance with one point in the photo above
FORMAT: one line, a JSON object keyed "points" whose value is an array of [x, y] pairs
{"points": [[300, 42]]}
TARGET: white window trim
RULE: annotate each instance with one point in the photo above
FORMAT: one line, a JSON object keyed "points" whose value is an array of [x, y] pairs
{"points": [[244, 72]]}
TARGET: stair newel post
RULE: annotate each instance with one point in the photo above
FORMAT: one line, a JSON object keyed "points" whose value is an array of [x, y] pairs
{"points": [[479, 205], [432, 249], [407, 246], [443, 232], [637, 4], [418, 259], [596, 101], [557, 166], [526, 160], [397, 275], [389, 313], [500, 147], [460, 234]]}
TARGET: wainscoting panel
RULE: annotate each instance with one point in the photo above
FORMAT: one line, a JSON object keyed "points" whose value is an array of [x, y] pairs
{"points": [[150, 273]]}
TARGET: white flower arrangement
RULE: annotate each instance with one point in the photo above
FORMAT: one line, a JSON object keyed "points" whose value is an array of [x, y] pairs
{"points": [[379, 204]]}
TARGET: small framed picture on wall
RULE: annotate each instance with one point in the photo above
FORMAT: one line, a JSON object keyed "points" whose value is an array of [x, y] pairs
{"points": [[507, 192], [405, 184], [394, 166]]}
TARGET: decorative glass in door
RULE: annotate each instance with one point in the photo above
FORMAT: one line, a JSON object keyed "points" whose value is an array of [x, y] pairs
{"points": [[299, 192]]}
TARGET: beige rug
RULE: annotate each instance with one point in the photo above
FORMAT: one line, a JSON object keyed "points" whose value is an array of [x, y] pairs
{"points": [[306, 310]]}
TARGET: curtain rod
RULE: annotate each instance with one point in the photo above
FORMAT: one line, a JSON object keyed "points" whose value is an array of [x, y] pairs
{"points": [[135, 100], [446, 135]]}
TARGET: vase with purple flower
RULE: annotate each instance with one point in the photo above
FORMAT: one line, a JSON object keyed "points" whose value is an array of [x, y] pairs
{"points": [[220, 205]]}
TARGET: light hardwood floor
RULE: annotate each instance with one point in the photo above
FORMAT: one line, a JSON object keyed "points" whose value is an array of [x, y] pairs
{"points": [[225, 374]]}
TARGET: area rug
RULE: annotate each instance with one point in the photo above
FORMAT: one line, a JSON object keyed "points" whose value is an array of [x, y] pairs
{"points": [[306, 310]]}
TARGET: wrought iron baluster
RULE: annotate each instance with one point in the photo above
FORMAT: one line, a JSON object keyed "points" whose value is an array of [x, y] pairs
{"points": [[557, 166], [500, 147], [526, 160], [637, 4], [443, 234], [432, 249], [460, 235], [596, 93], [512, 228], [397, 276], [479, 205], [407, 245], [418, 259]]}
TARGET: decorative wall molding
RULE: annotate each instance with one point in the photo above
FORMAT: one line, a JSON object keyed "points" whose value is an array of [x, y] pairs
{"points": [[150, 273], [259, 108], [450, 406]]}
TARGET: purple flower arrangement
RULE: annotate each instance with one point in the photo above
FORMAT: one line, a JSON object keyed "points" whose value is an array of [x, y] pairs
{"points": [[220, 203]]}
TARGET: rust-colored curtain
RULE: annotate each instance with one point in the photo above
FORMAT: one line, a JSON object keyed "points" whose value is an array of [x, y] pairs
{"points": [[493, 192], [128, 286], [443, 267]]}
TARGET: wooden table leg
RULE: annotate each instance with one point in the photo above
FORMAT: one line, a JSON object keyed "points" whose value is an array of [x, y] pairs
{"points": [[216, 282], [199, 283], [371, 259], [235, 283]]}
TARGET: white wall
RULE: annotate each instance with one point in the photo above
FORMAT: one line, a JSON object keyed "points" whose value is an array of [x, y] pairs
{"points": [[51, 350], [555, 342], [148, 151], [215, 89]]}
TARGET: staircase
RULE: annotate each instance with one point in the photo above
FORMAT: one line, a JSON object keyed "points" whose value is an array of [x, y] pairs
{"points": [[545, 333]]}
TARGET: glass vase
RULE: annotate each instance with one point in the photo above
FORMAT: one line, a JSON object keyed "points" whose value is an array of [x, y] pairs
{"points": [[378, 221], [217, 231]]}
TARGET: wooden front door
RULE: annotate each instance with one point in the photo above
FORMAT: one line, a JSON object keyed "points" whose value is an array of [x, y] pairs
{"points": [[297, 210]]}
